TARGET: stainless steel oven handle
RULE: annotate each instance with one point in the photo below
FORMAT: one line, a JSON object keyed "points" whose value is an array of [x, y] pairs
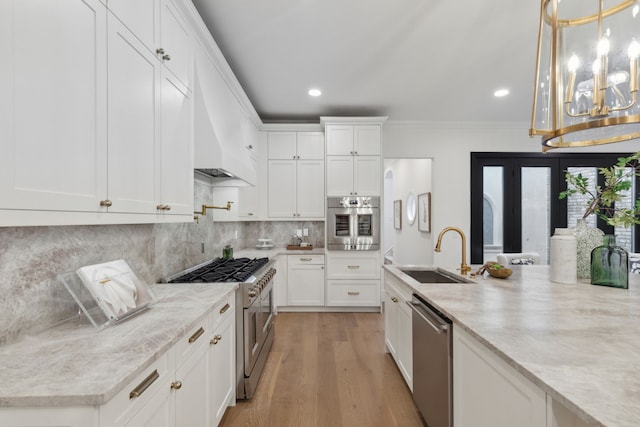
{"points": [[436, 323]]}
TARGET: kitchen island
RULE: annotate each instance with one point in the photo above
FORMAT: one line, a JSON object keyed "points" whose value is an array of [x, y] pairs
{"points": [[578, 343]]}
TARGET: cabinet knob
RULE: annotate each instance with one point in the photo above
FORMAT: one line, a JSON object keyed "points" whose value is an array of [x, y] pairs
{"points": [[106, 203], [176, 385], [216, 339], [160, 51], [394, 299], [166, 57]]}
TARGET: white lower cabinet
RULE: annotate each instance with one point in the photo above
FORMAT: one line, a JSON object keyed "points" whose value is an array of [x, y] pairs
{"points": [[353, 279], [221, 362], [189, 385], [398, 328], [488, 392], [280, 282], [305, 280]]}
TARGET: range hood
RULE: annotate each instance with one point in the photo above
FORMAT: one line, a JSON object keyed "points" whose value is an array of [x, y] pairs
{"points": [[223, 136]]}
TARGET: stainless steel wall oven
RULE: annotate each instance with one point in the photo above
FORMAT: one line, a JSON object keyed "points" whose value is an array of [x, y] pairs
{"points": [[353, 223]]}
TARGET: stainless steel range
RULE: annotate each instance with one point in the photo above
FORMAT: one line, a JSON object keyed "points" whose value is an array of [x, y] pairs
{"points": [[254, 311]]}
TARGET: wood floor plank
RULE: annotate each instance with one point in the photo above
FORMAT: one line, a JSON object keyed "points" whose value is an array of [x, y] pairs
{"points": [[328, 369]]}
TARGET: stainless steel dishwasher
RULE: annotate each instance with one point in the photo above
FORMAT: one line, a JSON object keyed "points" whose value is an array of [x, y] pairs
{"points": [[432, 352]]}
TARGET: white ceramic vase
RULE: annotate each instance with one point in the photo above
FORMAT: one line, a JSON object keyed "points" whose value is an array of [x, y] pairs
{"points": [[587, 239], [563, 256]]}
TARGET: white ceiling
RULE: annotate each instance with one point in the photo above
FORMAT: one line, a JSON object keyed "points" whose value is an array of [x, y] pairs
{"points": [[411, 60]]}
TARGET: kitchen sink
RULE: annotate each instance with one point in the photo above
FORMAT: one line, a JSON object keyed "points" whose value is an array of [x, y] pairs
{"points": [[434, 276]]}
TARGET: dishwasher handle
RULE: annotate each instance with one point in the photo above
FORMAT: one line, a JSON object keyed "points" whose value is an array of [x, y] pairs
{"points": [[432, 319]]}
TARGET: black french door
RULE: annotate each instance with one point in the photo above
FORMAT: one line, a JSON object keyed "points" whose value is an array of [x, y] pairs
{"points": [[515, 205]]}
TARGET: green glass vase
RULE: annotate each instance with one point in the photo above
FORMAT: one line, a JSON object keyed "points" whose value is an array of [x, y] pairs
{"points": [[610, 264]]}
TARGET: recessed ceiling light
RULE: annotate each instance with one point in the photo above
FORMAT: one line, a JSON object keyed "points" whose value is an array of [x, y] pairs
{"points": [[315, 92], [501, 92]]}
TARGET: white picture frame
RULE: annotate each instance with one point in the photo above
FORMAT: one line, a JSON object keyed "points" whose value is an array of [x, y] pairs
{"points": [[397, 214], [424, 212]]}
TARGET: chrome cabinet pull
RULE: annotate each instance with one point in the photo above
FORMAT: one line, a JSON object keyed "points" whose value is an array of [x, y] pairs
{"points": [[176, 385], [195, 336], [166, 57], [160, 51], [216, 339], [106, 203], [353, 293], [145, 384], [225, 308]]}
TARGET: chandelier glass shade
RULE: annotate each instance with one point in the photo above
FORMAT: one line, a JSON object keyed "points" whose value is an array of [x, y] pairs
{"points": [[586, 84]]}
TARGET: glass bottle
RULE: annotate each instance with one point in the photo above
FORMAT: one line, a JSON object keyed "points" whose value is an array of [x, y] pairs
{"points": [[610, 264]]}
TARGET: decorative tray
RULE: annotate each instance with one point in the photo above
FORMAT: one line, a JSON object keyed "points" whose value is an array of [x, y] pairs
{"points": [[299, 248]]}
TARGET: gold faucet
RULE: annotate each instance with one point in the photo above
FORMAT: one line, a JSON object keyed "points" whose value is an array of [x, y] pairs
{"points": [[205, 207], [464, 268]]}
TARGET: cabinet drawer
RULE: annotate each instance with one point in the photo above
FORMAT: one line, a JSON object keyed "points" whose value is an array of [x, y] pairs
{"points": [[353, 268], [223, 310], [140, 391], [305, 259], [397, 286], [192, 340], [360, 293]]}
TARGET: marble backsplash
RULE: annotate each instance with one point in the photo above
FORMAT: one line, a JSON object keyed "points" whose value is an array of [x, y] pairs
{"points": [[32, 298]]}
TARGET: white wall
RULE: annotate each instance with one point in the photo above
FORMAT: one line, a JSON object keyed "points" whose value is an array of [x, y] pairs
{"points": [[410, 246], [449, 146]]}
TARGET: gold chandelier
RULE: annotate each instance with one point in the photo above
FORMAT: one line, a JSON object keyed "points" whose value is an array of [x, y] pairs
{"points": [[586, 87]]}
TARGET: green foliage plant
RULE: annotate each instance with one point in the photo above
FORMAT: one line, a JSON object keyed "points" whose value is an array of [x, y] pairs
{"points": [[617, 179]]}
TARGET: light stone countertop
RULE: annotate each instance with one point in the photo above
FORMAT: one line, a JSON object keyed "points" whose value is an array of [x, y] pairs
{"points": [[73, 364], [580, 343]]}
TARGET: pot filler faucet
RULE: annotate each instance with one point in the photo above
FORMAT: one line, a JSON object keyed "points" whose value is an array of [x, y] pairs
{"points": [[464, 268]]}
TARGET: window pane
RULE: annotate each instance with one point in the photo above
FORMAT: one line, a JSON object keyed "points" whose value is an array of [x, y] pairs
{"points": [[624, 236], [536, 215], [492, 212], [577, 203]]}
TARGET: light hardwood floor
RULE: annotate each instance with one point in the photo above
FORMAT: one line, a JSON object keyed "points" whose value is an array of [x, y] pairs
{"points": [[328, 369]]}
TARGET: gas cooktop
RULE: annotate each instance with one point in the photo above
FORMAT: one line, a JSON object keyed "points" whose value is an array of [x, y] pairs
{"points": [[222, 270]]}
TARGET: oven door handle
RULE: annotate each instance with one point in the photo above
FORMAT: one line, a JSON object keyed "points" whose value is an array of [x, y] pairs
{"points": [[432, 319]]}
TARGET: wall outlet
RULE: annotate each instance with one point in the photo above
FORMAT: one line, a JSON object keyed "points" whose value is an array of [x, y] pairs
{"points": [[236, 234], [299, 232], [305, 231]]}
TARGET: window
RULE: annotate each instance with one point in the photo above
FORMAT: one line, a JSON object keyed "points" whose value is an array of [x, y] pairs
{"points": [[515, 205]]}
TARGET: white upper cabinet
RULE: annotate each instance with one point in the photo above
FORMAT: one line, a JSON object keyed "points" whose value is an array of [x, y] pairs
{"points": [[353, 140], [53, 95], [296, 145], [353, 159], [94, 129], [134, 120], [161, 28], [296, 174]]}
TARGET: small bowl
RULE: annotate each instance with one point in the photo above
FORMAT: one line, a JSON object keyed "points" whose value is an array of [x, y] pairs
{"points": [[500, 273]]}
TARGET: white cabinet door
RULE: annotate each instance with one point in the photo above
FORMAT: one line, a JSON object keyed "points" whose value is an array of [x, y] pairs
{"points": [[391, 322], [222, 369], [488, 392], [282, 188], [367, 175], [134, 76], [339, 140], [175, 42], [367, 141], [192, 396], [339, 175], [282, 146], [310, 145], [310, 196], [176, 152], [140, 17], [53, 105], [305, 285], [404, 341]]}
